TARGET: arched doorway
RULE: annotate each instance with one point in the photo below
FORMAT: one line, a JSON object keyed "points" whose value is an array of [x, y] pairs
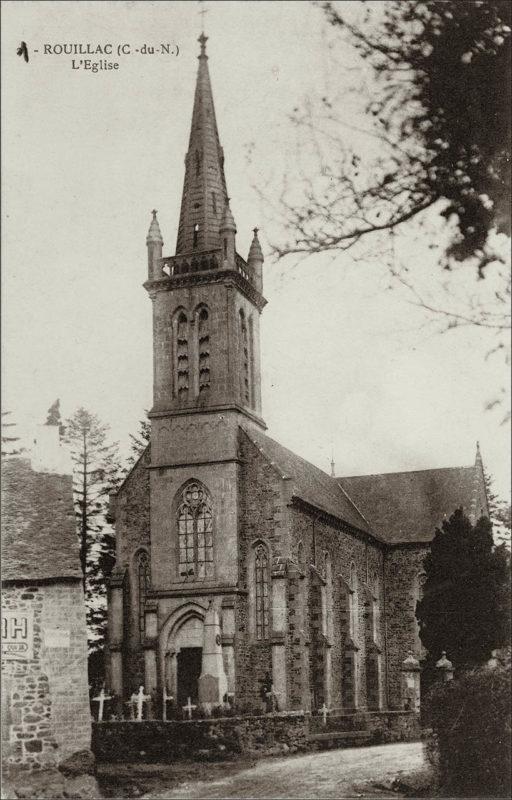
{"points": [[182, 644]]}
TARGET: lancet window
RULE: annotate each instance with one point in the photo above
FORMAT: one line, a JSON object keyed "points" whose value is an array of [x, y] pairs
{"points": [[182, 363], [203, 333], [261, 579], [143, 583], [376, 608], [195, 533], [196, 235], [245, 371]]}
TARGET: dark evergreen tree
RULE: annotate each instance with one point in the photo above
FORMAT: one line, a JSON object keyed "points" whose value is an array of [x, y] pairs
{"points": [[465, 608], [9, 438], [96, 473]]}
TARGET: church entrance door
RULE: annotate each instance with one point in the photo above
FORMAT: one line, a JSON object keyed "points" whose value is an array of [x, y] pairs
{"points": [[189, 670]]}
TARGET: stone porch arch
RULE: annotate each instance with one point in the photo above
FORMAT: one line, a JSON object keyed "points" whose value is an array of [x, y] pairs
{"points": [[167, 639]]}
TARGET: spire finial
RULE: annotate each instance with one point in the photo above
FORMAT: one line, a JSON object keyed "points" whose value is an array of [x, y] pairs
{"points": [[478, 457], [333, 465], [154, 234], [202, 11]]}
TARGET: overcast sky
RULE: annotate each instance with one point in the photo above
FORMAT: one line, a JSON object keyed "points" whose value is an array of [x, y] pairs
{"points": [[346, 364]]}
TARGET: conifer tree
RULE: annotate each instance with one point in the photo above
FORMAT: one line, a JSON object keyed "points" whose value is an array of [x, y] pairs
{"points": [[138, 443], [96, 473], [465, 608]]}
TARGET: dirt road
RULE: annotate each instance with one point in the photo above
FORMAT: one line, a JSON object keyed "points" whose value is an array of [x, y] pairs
{"points": [[331, 774]]}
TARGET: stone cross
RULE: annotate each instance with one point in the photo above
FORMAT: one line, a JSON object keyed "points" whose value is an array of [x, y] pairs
{"points": [[189, 708], [165, 698], [140, 698], [324, 711], [101, 700]]}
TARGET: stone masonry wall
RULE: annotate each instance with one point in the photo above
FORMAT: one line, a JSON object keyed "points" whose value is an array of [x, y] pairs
{"points": [[166, 741], [343, 549], [47, 716], [402, 567], [263, 515]]}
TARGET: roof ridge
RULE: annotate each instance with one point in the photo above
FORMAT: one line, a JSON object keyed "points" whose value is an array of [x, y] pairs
{"points": [[400, 472]]}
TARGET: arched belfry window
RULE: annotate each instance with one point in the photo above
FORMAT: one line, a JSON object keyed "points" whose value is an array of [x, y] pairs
{"points": [[203, 332], [182, 364], [196, 235], [195, 533], [245, 365], [261, 580], [143, 583]]}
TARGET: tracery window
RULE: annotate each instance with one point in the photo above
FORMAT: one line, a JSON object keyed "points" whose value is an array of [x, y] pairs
{"points": [[204, 350], [244, 344], [195, 533], [182, 365], [143, 583], [261, 570]]}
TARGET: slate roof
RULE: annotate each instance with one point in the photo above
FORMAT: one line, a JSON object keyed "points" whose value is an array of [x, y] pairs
{"points": [[39, 538], [310, 483], [408, 506]]}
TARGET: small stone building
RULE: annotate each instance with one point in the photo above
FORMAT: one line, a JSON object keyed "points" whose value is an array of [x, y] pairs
{"points": [[45, 696], [313, 578]]}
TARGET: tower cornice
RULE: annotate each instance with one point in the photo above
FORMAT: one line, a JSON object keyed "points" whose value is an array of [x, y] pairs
{"points": [[227, 277]]}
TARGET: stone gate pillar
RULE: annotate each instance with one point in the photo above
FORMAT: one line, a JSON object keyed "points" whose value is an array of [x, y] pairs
{"points": [[411, 683]]}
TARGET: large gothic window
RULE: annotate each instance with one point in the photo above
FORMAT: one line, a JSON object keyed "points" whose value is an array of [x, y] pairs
{"points": [[203, 333], [195, 533], [245, 365], [261, 579], [143, 583], [182, 365]]}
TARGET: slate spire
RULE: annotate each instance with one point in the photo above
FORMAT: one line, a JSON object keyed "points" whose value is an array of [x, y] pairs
{"points": [[204, 188]]}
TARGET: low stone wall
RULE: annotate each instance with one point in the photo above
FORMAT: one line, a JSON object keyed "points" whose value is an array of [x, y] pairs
{"points": [[383, 726], [154, 740]]}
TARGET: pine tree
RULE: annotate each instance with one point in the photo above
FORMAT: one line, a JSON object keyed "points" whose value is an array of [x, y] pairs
{"points": [[96, 473], [465, 608], [9, 448], [139, 442]]}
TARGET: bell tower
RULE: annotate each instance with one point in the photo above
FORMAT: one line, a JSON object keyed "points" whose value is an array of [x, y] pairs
{"points": [[207, 300]]}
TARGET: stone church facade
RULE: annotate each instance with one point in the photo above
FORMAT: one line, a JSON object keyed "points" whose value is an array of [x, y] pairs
{"points": [[237, 561]]}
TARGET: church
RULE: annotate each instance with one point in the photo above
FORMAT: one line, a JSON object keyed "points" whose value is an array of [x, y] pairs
{"points": [[238, 563]]}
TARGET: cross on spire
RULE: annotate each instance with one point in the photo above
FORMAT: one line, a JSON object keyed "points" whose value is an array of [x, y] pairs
{"points": [[202, 12]]}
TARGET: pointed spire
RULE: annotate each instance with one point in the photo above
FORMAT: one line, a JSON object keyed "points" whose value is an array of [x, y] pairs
{"points": [[255, 253], [333, 466], [204, 188], [228, 222], [154, 234]]}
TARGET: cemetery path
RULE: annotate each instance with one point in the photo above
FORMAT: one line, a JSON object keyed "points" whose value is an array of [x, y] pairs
{"points": [[354, 772]]}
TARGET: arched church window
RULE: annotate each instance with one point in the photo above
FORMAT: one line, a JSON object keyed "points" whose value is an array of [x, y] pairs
{"points": [[204, 350], [244, 345], [354, 602], [182, 366], [143, 583], [196, 235], [261, 580], [195, 533]]}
